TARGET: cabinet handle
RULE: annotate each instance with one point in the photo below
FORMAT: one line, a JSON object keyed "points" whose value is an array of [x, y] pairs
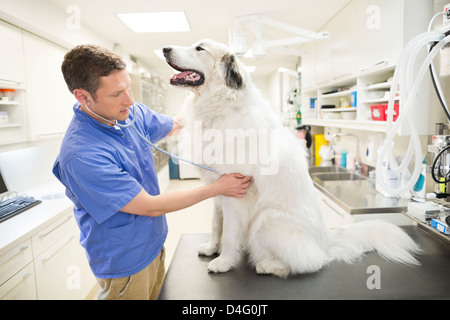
{"points": [[341, 76], [322, 82], [57, 250], [50, 134], [331, 207], [12, 81], [24, 276], [42, 235], [21, 249], [378, 64]]}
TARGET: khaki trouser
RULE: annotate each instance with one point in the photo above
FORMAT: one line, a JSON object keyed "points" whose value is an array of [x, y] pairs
{"points": [[144, 285]]}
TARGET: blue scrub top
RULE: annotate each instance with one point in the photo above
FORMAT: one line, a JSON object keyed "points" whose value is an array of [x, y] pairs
{"points": [[103, 168]]}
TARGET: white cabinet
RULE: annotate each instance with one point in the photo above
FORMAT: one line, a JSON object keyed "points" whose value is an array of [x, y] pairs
{"points": [[53, 232], [341, 45], [366, 41], [21, 286], [50, 264], [54, 269], [17, 278], [49, 102], [15, 259], [333, 215], [12, 77], [378, 33], [11, 63]]}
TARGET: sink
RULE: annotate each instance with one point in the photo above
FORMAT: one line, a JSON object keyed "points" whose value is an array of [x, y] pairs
{"points": [[337, 176], [315, 170]]}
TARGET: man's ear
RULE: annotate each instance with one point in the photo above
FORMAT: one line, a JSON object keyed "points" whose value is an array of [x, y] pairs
{"points": [[233, 77], [82, 95]]}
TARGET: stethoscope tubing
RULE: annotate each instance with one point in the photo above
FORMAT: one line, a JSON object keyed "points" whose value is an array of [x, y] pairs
{"points": [[132, 125]]}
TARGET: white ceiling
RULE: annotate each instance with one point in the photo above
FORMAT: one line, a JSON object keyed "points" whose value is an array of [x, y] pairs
{"points": [[208, 19]]}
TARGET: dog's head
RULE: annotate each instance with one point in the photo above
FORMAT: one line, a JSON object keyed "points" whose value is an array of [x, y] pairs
{"points": [[205, 62]]}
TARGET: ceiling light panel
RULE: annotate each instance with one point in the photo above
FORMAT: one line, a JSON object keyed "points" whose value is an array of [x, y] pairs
{"points": [[156, 21]]}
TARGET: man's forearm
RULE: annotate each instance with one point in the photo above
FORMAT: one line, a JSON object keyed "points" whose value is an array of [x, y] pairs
{"points": [[174, 201], [229, 185], [153, 206]]}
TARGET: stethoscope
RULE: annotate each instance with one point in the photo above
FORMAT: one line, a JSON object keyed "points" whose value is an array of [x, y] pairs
{"points": [[131, 124]]}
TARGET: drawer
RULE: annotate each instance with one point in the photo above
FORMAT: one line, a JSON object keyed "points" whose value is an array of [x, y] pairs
{"points": [[53, 232], [14, 260], [22, 286], [58, 273]]}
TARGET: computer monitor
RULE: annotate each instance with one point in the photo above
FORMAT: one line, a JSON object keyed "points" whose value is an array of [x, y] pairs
{"points": [[3, 188]]}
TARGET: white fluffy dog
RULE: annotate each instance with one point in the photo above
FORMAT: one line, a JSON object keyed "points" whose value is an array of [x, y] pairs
{"points": [[278, 222]]}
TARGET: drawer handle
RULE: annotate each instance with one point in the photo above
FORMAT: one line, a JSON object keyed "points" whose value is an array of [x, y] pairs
{"points": [[57, 250], [378, 64], [24, 276], [331, 207], [341, 76], [42, 235], [21, 249]]}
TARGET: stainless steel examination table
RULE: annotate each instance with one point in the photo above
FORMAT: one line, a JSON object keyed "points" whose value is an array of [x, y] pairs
{"points": [[372, 277]]}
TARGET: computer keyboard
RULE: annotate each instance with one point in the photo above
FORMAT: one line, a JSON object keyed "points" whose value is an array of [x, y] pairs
{"points": [[11, 207]]}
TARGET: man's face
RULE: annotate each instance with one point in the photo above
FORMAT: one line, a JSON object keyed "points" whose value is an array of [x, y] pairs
{"points": [[113, 97]]}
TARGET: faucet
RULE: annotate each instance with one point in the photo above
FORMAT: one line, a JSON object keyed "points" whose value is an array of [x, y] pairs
{"points": [[358, 159]]}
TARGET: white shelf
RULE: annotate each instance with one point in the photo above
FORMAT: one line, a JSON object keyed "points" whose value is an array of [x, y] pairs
{"points": [[10, 125], [379, 100], [339, 109], [337, 94], [376, 86], [9, 103], [368, 125]]}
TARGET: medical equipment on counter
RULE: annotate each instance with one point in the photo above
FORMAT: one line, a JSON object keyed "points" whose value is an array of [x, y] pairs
{"points": [[131, 124], [409, 82]]}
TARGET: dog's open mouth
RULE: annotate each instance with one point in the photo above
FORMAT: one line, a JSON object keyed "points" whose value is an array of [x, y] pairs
{"points": [[186, 77]]}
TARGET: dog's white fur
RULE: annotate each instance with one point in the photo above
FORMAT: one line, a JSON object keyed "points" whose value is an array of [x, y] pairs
{"points": [[278, 222]]}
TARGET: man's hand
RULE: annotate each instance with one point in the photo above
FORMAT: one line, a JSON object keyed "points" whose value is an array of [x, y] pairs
{"points": [[232, 185]]}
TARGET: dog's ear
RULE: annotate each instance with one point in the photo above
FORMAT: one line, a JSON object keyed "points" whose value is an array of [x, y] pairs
{"points": [[233, 77]]}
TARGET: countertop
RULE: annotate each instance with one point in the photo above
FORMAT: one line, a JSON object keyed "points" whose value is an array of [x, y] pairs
{"points": [[360, 196], [188, 278], [23, 225]]}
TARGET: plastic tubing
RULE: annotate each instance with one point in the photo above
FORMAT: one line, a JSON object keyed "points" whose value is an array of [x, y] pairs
{"points": [[403, 77], [436, 84]]}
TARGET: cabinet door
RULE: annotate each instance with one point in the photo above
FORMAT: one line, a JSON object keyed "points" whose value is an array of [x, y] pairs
{"points": [[21, 286], [323, 63], [379, 27], [11, 62], [86, 279], [15, 259], [53, 232], [57, 270], [49, 102], [342, 42], [309, 67], [333, 215]]}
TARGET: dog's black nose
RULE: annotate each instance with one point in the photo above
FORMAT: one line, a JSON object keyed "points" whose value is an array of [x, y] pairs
{"points": [[167, 50]]}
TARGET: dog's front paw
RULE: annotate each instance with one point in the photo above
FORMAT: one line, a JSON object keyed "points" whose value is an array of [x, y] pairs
{"points": [[219, 265], [208, 249]]}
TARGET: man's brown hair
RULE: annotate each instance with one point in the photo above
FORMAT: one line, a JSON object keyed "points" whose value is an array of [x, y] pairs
{"points": [[85, 64]]}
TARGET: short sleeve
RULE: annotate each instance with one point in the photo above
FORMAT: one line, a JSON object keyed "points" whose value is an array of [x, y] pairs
{"points": [[101, 187], [158, 125]]}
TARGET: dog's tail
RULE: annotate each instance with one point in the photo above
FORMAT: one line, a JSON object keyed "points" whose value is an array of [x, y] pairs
{"points": [[391, 242]]}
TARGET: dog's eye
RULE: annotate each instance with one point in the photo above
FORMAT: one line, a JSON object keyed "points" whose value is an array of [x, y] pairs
{"points": [[199, 48]]}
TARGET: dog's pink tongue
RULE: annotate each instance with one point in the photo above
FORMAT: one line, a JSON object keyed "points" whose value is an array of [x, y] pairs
{"points": [[183, 74]]}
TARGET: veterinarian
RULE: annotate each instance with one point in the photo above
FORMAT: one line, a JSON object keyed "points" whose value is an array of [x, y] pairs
{"points": [[110, 176]]}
